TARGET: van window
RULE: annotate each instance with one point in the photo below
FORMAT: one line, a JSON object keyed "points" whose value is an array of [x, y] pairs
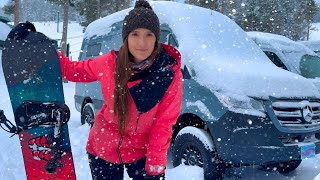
{"points": [[276, 60], [112, 42], [309, 66], [93, 50]]}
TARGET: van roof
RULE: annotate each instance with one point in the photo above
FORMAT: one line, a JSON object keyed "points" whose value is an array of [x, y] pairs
{"points": [[313, 45], [278, 42]]}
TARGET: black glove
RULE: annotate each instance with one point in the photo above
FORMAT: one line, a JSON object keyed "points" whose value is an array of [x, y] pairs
{"points": [[21, 31]]}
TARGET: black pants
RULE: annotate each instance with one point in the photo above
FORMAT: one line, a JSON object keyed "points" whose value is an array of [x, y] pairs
{"points": [[101, 169]]}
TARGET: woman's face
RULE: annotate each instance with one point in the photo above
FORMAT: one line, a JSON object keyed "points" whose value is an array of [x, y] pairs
{"points": [[141, 43]]}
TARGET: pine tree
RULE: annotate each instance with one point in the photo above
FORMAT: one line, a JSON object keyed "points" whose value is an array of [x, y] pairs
{"points": [[305, 14], [290, 18], [95, 9], [30, 11], [210, 4], [66, 4], [9, 8]]}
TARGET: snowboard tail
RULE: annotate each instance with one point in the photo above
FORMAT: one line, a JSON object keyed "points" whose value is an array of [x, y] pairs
{"points": [[32, 72]]}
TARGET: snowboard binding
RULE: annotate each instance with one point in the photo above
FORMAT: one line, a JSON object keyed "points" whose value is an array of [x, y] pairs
{"points": [[34, 114], [56, 153]]}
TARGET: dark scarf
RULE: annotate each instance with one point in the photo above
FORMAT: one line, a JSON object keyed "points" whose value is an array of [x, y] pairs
{"points": [[155, 81], [138, 67]]}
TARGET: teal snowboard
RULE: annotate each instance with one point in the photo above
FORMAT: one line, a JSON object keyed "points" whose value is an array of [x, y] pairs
{"points": [[32, 73]]}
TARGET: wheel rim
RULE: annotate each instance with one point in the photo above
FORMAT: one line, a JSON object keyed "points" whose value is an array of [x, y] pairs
{"points": [[89, 117], [192, 156]]}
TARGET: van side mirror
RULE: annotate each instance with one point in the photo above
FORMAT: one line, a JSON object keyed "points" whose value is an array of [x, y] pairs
{"points": [[167, 38], [171, 41], [185, 73]]}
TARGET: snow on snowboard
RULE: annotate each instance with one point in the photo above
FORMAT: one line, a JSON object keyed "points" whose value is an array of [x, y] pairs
{"points": [[32, 73]]}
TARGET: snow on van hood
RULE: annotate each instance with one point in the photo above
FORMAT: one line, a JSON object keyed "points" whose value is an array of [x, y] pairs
{"points": [[220, 53]]}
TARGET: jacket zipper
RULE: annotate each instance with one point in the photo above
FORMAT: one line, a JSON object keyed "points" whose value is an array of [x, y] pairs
{"points": [[137, 121], [118, 149], [121, 139]]}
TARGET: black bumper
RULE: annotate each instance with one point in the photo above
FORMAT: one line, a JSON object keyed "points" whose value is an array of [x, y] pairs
{"points": [[245, 139]]}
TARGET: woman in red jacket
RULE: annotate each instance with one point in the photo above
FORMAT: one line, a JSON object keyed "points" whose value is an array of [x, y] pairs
{"points": [[142, 89]]}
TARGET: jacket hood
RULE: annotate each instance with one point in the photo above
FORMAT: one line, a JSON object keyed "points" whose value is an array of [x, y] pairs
{"points": [[173, 52]]}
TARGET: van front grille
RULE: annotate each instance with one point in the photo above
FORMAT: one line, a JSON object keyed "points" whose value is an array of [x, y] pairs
{"points": [[297, 114]]}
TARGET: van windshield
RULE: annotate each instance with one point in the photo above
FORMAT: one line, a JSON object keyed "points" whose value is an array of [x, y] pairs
{"points": [[294, 59], [309, 66]]}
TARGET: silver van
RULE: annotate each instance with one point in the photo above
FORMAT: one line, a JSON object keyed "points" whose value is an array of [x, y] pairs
{"points": [[289, 55], [238, 108]]}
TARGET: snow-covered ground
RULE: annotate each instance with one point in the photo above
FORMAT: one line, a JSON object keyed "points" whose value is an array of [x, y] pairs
{"points": [[11, 166]]}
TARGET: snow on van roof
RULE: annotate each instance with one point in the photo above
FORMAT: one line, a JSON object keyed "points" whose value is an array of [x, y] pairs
{"points": [[279, 42], [267, 36], [313, 45], [220, 53], [294, 51]]}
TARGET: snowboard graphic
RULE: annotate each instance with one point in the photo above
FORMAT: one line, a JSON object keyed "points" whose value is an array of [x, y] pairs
{"points": [[32, 73]]}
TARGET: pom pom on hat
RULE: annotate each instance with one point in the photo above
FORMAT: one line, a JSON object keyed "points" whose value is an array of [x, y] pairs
{"points": [[141, 16], [142, 3]]}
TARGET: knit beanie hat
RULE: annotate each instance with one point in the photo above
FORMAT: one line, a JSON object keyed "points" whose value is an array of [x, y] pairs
{"points": [[142, 16]]}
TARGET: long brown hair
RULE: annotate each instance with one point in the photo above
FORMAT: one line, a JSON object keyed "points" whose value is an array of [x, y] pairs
{"points": [[122, 75]]}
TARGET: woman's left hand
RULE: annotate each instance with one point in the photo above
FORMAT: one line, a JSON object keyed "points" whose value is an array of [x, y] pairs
{"points": [[155, 170]]}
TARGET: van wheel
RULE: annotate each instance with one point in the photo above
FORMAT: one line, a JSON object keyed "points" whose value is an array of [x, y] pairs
{"points": [[87, 114], [283, 167], [194, 147]]}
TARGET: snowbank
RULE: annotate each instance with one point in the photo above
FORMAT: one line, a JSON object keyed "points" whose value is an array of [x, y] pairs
{"points": [[4, 31]]}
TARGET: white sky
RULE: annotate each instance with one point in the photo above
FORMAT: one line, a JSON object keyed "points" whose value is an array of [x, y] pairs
{"points": [[3, 2]]}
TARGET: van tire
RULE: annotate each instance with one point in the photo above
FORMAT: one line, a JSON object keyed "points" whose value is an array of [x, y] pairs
{"points": [[87, 114], [283, 167], [188, 148]]}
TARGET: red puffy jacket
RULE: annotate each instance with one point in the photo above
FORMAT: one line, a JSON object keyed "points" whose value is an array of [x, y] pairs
{"points": [[149, 129]]}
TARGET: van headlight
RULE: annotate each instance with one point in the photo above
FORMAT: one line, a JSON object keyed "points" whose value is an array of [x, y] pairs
{"points": [[241, 104]]}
